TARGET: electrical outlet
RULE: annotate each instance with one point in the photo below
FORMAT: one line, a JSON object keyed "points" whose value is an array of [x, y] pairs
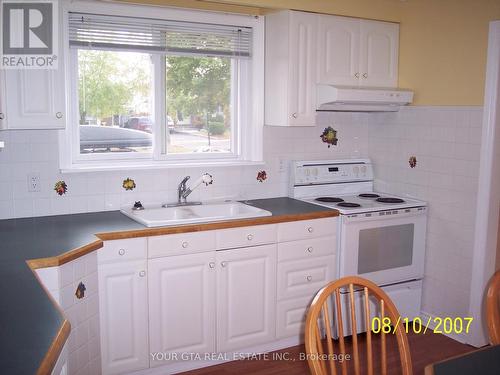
{"points": [[282, 166], [34, 183]]}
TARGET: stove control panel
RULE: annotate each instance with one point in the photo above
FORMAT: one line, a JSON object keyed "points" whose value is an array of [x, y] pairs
{"points": [[323, 172]]}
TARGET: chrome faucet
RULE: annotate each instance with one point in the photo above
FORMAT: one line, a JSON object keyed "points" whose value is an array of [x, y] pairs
{"points": [[183, 190]]}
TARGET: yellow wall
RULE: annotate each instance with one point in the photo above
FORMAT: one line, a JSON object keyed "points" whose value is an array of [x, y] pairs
{"points": [[442, 42]]}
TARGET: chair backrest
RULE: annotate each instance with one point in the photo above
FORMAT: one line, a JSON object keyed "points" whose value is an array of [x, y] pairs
{"points": [[493, 308], [326, 315]]}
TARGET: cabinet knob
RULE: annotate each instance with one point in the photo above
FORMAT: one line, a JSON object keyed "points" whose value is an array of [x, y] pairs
{"points": [[365, 75], [121, 252], [309, 278], [295, 115], [59, 115], [310, 249], [2, 116], [250, 237], [211, 264], [310, 229], [142, 273], [185, 244], [356, 75], [223, 264]]}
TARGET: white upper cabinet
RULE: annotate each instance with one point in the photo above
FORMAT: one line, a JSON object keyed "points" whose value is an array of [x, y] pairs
{"points": [[182, 305], [354, 52], [379, 54], [338, 50], [36, 98], [304, 49], [290, 70]]}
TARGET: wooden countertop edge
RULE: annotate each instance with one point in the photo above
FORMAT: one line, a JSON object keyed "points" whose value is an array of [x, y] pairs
{"points": [[50, 358], [147, 232], [158, 231], [65, 257]]}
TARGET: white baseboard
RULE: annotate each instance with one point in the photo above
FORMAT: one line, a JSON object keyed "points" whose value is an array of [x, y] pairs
{"points": [[460, 337]]}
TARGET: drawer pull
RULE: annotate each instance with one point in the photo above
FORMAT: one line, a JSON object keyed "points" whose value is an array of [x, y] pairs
{"points": [[211, 264], [142, 273], [223, 264], [250, 237], [121, 252], [309, 278], [310, 229], [185, 244], [310, 249]]}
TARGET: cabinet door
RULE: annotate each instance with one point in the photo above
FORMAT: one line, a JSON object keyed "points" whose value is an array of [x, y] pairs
{"points": [[182, 305], [123, 303], [36, 98], [379, 54], [302, 73], [338, 50], [246, 297]]}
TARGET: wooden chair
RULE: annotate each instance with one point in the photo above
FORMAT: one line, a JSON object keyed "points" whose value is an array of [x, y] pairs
{"points": [[318, 319], [493, 309]]}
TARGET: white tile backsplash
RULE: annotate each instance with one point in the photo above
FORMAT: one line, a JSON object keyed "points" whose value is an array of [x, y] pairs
{"points": [[36, 151], [446, 142], [83, 347]]}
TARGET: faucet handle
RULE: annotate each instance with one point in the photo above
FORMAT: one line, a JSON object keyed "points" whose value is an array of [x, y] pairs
{"points": [[207, 179]]}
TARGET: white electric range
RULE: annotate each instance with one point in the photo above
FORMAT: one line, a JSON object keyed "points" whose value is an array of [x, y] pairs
{"points": [[381, 236]]}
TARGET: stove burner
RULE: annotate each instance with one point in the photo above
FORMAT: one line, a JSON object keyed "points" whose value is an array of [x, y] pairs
{"points": [[329, 199], [368, 195], [390, 200], [348, 204]]}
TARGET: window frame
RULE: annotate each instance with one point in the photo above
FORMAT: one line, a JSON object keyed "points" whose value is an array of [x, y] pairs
{"points": [[247, 138]]}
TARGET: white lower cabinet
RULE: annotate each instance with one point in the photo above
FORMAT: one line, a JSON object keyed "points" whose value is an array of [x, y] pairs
{"points": [[123, 303], [218, 291], [181, 306], [246, 297]]}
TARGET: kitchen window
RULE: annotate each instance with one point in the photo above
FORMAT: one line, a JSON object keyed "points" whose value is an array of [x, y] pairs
{"points": [[148, 91]]}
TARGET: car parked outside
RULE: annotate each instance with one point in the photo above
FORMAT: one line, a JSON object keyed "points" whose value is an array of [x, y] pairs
{"points": [[140, 123]]}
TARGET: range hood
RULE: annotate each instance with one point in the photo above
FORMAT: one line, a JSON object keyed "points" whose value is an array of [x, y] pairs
{"points": [[361, 99]]}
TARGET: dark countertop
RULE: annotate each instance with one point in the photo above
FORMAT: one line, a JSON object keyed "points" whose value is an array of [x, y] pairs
{"points": [[29, 320]]}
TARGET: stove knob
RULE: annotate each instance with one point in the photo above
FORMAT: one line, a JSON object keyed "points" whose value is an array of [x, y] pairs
{"points": [[315, 171], [308, 172], [356, 171]]}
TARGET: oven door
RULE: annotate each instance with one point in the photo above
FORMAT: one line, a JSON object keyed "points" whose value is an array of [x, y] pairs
{"points": [[385, 247]]}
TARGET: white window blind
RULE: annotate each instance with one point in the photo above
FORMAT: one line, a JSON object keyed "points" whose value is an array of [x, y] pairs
{"points": [[94, 31]]}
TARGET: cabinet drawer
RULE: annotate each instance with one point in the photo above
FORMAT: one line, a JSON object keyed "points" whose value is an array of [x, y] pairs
{"points": [[291, 317], [307, 249], [119, 250], [304, 277], [246, 236], [302, 229], [182, 243]]}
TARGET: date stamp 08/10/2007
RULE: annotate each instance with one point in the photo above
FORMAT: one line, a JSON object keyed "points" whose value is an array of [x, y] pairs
{"points": [[416, 325]]}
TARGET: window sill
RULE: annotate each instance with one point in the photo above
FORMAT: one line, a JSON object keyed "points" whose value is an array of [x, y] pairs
{"points": [[108, 167]]}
